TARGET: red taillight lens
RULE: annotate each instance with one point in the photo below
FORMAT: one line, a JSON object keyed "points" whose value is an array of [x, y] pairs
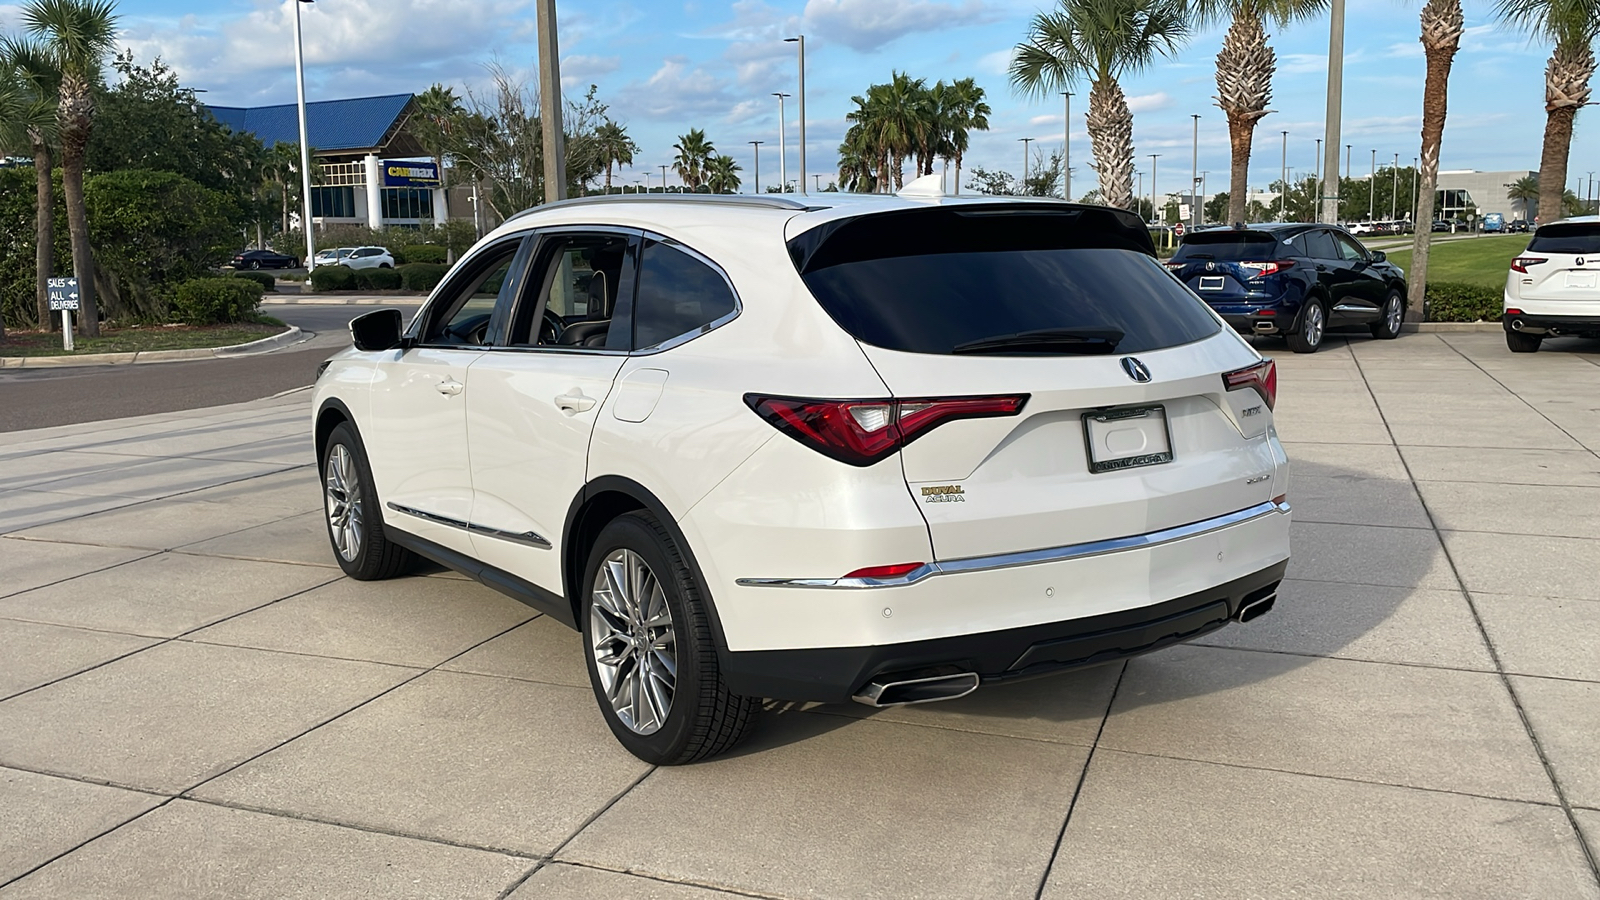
{"points": [[1521, 263], [1263, 269], [862, 432], [1174, 266], [1262, 377], [894, 571]]}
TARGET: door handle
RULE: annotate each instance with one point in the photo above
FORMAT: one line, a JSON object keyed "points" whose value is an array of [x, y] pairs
{"points": [[449, 387], [574, 402]]}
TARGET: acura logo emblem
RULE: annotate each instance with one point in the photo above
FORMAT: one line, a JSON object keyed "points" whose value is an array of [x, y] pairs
{"points": [[1211, 267], [1135, 369], [1580, 260]]}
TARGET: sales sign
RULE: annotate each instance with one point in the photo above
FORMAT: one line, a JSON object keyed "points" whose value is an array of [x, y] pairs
{"points": [[406, 173], [63, 293]]}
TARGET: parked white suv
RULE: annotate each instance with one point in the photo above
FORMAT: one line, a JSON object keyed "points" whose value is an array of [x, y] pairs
{"points": [[1553, 287], [369, 258], [878, 448]]}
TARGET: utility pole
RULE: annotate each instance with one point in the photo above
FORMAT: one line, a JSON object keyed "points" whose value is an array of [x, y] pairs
{"points": [[757, 146], [555, 151], [1372, 190], [1154, 212], [305, 142], [801, 40], [1335, 107], [1194, 172], [1066, 162], [783, 161], [1283, 198], [1394, 186], [1022, 183], [663, 179]]}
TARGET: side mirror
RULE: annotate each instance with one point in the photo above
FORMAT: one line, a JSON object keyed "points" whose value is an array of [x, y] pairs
{"points": [[376, 331], [1379, 256]]}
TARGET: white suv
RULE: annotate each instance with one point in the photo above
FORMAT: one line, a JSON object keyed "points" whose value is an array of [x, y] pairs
{"points": [[369, 258], [1554, 285], [878, 448]]}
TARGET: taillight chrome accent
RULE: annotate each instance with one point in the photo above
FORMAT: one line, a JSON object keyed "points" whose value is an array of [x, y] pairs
{"points": [[1521, 263], [1263, 269], [1174, 266], [1261, 377], [863, 432]]}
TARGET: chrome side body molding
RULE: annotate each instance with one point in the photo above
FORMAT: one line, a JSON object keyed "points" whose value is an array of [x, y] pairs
{"points": [[528, 538]]}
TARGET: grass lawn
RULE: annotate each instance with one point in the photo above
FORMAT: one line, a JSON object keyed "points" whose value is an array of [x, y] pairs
{"points": [[1479, 260], [141, 337]]}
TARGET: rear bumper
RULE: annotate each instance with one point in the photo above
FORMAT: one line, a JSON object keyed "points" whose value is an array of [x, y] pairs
{"points": [[1264, 322], [835, 674], [1537, 322]]}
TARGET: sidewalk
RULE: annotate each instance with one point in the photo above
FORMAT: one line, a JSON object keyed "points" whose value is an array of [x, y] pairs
{"points": [[196, 703]]}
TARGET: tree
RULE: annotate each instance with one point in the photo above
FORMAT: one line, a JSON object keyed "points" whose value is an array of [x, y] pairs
{"points": [[42, 81], [1216, 209], [1100, 40], [438, 116], [616, 148], [1572, 26], [77, 34], [857, 166], [722, 175], [998, 181], [1245, 66], [1442, 24], [153, 230], [965, 112], [693, 153], [1525, 191]]}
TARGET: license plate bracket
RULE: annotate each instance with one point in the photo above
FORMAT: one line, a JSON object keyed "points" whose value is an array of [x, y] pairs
{"points": [[1127, 438], [1210, 282], [1581, 279]]}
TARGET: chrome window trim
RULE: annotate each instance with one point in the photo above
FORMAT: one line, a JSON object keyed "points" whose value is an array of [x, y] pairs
{"points": [[529, 538], [414, 329], [1033, 557], [539, 235]]}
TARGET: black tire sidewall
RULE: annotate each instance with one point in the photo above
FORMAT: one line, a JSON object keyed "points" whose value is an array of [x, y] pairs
{"points": [[366, 563], [1297, 340], [667, 744], [1380, 328]]}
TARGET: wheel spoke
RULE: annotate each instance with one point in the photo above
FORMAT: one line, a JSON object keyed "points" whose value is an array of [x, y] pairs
{"points": [[632, 641]]}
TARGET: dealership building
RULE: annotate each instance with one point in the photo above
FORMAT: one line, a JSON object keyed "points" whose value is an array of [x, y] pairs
{"points": [[373, 171]]}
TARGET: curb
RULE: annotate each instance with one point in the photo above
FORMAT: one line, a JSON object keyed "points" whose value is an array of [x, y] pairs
{"points": [[292, 336], [334, 300], [1450, 327]]}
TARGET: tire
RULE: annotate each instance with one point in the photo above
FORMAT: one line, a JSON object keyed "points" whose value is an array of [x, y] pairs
{"points": [[385, 266], [1520, 342], [701, 718], [255, 263], [351, 512], [1394, 314], [1313, 328]]}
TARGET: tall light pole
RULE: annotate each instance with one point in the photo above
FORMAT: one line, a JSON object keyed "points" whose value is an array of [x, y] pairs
{"points": [[663, 178], [1203, 174], [1022, 183], [1316, 179], [1194, 174], [305, 142], [757, 146], [1153, 211], [783, 162], [818, 181], [801, 40], [1283, 198], [1394, 187], [1066, 144], [1335, 108], [555, 152], [1372, 189]]}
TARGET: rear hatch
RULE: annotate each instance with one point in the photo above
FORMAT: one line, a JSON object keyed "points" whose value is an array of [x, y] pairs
{"points": [[1127, 425], [1562, 262], [1226, 266]]}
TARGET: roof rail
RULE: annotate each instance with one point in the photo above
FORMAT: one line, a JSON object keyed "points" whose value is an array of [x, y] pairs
{"points": [[759, 201]]}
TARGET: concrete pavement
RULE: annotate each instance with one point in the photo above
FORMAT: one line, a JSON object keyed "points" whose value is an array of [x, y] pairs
{"points": [[194, 702]]}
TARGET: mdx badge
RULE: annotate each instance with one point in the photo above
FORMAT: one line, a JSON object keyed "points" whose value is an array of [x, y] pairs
{"points": [[1135, 369]]}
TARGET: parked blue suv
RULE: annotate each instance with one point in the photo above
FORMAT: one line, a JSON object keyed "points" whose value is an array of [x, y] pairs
{"points": [[1292, 280]]}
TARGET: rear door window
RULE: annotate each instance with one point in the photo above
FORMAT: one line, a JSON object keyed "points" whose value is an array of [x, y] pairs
{"points": [[678, 295], [1581, 238], [944, 282]]}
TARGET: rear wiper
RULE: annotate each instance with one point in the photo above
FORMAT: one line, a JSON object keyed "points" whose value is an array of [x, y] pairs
{"points": [[1189, 256], [1071, 340]]}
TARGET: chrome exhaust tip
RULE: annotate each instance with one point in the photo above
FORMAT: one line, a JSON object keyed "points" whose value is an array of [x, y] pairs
{"points": [[903, 689], [1265, 327], [1254, 609], [1516, 324]]}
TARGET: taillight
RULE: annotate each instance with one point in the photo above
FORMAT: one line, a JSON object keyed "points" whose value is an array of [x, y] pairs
{"points": [[1174, 266], [862, 432], [1262, 377], [1521, 263], [1263, 269]]}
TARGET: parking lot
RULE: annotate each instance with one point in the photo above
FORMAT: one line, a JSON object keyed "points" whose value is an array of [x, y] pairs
{"points": [[194, 702]]}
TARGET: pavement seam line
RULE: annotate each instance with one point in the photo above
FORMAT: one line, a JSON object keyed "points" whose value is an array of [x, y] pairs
{"points": [[1201, 642], [1536, 411], [85, 842], [137, 502], [1584, 849], [1077, 791], [551, 856], [718, 888]]}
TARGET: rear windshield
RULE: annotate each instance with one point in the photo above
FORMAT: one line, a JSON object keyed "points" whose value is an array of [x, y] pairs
{"points": [[938, 281], [1227, 246], [1577, 238]]}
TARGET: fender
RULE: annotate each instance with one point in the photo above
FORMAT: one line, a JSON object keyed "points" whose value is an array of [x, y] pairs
{"points": [[322, 428]]}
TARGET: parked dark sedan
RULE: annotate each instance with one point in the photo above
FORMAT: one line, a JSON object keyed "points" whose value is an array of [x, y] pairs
{"points": [[263, 259], [1292, 280]]}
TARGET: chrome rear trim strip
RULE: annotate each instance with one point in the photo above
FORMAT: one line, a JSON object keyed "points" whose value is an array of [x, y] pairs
{"points": [[528, 538], [1034, 557]]}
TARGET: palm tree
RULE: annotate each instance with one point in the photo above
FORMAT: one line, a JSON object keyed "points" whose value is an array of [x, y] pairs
{"points": [[1100, 40], [1245, 66], [1442, 24], [615, 147], [722, 175], [1572, 26], [1524, 190], [965, 112], [77, 35], [693, 152], [857, 164], [903, 103], [43, 82], [436, 122]]}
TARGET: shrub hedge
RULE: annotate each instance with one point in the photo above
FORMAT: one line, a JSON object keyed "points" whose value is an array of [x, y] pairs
{"points": [[378, 279], [333, 278], [268, 282], [209, 301], [1457, 301], [424, 253], [422, 276]]}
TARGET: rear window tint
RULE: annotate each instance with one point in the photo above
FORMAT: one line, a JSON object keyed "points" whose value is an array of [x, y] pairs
{"points": [[929, 281], [1228, 246], [1577, 238]]}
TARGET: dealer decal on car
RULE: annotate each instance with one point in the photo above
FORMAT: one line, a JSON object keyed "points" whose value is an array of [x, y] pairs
{"points": [[943, 493]]}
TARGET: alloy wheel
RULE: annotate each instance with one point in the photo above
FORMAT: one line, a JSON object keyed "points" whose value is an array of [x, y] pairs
{"points": [[1313, 325], [632, 639], [1393, 314], [342, 490]]}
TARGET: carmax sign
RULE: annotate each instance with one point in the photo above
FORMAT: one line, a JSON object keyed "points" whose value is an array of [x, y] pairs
{"points": [[402, 173]]}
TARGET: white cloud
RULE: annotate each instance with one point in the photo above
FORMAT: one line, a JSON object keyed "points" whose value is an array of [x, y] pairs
{"points": [[578, 71], [866, 25], [1149, 102], [996, 63], [1045, 120]]}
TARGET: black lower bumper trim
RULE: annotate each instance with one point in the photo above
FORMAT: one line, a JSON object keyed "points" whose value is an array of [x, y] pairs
{"points": [[835, 674], [1563, 324]]}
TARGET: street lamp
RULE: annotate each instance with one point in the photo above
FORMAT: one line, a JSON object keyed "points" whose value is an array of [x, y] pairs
{"points": [[663, 178], [305, 143], [1394, 186], [1283, 198], [817, 180], [1022, 183], [757, 146], [1372, 189], [1203, 174], [1066, 144], [801, 40], [783, 162], [1153, 188], [1194, 174], [1335, 107]]}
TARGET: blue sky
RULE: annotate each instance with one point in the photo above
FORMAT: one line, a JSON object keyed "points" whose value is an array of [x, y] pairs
{"points": [[667, 66]]}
